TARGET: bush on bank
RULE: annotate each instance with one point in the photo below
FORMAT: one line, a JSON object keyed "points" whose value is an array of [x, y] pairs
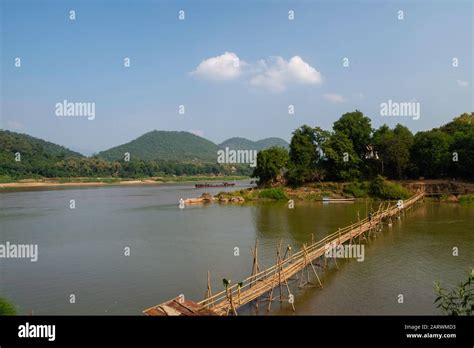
{"points": [[357, 189], [466, 199], [273, 193], [6, 308], [383, 189]]}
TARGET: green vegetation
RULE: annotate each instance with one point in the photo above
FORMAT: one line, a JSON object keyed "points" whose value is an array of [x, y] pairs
{"points": [[40, 159], [246, 194], [165, 146], [393, 147], [303, 156], [357, 189], [273, 193], [272, 164], [383, 189], [458, 301], [6, 308], [155, 154], [245, 144], [353, 151], [466, 199]]}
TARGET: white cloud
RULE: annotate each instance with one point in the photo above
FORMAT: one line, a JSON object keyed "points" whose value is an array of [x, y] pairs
{"points": [[198, 132], [224, 67], [273, 73], [276, 73], [462, 83], [334, 98]]}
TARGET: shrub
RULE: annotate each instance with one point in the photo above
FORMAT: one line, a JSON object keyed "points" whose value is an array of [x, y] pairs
{"points": [[466, 199], [457, 301], [6, 308], [357, 189], [6, 179], [273, 193], [381, 188]]}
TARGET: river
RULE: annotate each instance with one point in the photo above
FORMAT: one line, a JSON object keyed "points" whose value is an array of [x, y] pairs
{"points": [[82, 251]]}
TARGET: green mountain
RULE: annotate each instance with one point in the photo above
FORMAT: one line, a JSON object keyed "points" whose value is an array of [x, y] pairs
{"points": [[27, 146], [246, 144], [165, 145], [22, 155]]}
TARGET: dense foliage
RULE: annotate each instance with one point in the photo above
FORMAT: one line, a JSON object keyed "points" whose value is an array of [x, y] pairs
{"points": [[39, 158], [237, 143], [271, 164], [354, 151], [167, 146], [276, 193], [381, 188], [6, 308]]}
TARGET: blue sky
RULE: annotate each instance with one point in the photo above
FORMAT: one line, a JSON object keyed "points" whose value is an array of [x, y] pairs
{"points": [[82, 61]]}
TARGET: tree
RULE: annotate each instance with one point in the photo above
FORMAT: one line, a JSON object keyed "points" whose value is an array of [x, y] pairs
{"points": [[382, 140], [399, 149], [303, 155], [357, 128], [430, 153], [462, 149], [271, 164], [341, 161], [461, 129], [463, 123]]}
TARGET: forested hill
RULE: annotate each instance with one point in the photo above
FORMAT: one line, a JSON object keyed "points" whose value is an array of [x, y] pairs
{"points": [[24, 155], [246, 144], [165, 145], [28, 147]]}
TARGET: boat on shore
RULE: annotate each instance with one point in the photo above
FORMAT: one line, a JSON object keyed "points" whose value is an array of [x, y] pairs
{"points": [[338, 200], [224, 184]]}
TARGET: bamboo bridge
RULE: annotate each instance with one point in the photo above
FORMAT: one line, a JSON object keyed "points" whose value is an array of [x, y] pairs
{"points": [[265, 282]]}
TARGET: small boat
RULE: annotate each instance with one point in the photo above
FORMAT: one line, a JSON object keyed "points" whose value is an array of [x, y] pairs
{"points": [[224, 184], [337, 200]]}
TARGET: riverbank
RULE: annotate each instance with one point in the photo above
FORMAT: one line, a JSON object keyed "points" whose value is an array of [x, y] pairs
{"points": [[437, 190], [79, 182]]}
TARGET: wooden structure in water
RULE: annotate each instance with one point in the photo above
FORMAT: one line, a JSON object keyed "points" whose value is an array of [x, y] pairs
{"points": [[224, 184], [178, 306], [262, 283]]}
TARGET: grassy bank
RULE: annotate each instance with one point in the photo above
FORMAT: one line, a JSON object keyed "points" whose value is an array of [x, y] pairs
{"points": [[467, 199], [378, 188]]}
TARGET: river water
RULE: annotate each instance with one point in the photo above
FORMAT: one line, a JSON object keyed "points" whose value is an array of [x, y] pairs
{"points": [[82, 251]]}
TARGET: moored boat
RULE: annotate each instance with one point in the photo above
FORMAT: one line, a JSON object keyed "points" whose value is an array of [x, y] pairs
{"points": [[337, 200], [224, 184]]}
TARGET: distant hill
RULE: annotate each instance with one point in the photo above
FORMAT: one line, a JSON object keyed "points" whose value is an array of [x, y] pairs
{"points": [[246, 144], [11, 142], [165, 145], [35, 156]]}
